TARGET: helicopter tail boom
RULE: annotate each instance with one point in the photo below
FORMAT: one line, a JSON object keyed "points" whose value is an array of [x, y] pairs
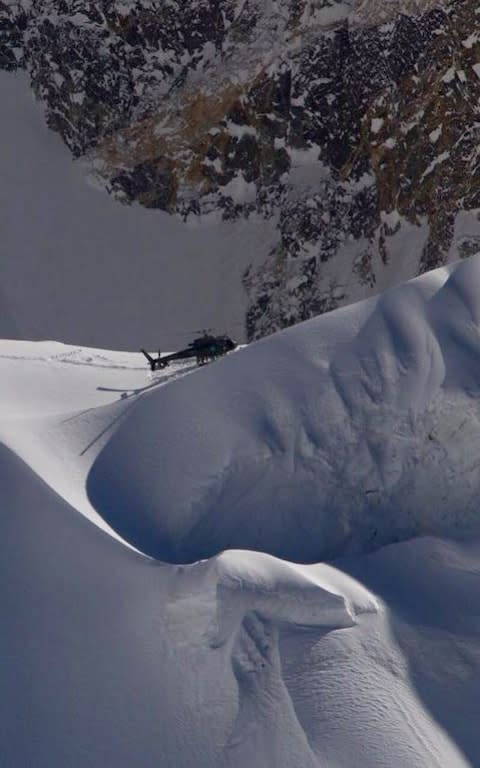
{"points": [[152, 362]]}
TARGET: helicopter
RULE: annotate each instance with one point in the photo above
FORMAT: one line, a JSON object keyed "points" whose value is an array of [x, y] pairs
{"points": [[205, 349]]}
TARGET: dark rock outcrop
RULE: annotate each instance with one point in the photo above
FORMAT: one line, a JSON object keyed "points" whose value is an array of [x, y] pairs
{"points": [[360, 140]]}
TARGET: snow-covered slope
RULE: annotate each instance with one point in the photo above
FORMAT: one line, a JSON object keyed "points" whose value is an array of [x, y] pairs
{"points": [[241, 661], [338, 435], [350, 431], [347, 432]]}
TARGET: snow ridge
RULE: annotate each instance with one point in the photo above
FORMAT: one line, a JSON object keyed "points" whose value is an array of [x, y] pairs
{"points": [[342, 434], [351, 431], [246, 660]]}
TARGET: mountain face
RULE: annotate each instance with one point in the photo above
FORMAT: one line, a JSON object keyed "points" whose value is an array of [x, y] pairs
{"points": [[354, 127]]}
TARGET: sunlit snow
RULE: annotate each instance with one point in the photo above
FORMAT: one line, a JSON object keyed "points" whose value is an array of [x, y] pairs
{"points": [[346, 433]]}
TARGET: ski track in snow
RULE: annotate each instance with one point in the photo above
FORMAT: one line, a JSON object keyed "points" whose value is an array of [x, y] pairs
{"points": [[76, 414]]}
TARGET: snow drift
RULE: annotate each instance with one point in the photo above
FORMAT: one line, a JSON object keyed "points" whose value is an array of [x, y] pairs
{"points": [[347, 432], [114, 660], [242, 661]]}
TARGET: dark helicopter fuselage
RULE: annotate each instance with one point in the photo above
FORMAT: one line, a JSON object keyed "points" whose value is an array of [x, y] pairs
{"points": [[205, 349]]}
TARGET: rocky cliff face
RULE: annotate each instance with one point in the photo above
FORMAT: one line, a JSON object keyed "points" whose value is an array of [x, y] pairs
{"points": [[353, 126]]}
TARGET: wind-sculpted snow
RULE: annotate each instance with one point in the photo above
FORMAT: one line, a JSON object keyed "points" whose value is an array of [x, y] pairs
{"points": [[342, 434], [243, 661], [114, 660], [246, 660], [257, 583]]}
